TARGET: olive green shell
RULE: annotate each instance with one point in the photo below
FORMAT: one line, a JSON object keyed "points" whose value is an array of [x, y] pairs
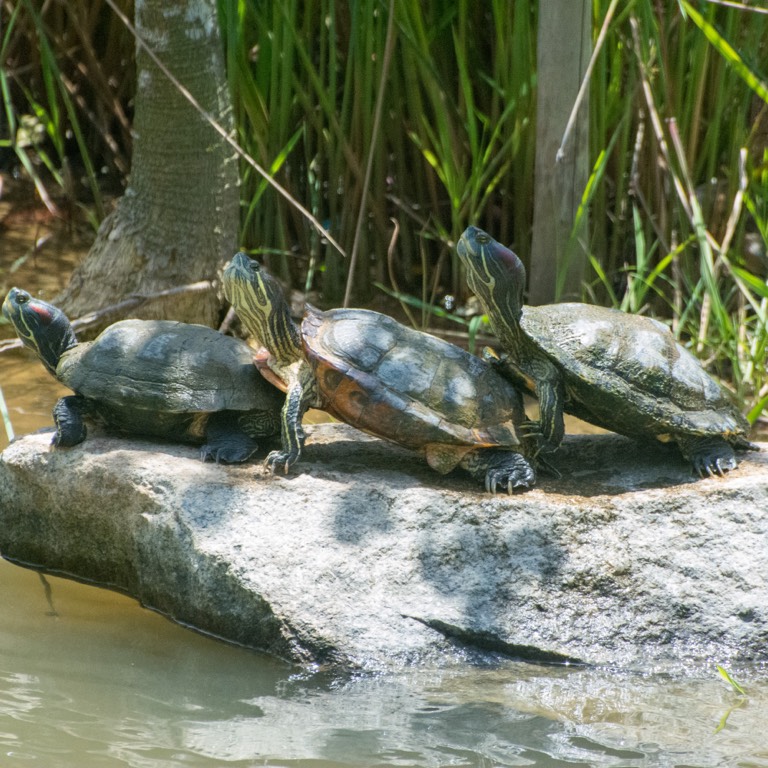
{"points": [[166, 367], [409, 387], [630, 373]]}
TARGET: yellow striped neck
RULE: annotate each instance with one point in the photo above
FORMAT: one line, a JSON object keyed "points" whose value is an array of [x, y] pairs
{"points": [[260, 305]]}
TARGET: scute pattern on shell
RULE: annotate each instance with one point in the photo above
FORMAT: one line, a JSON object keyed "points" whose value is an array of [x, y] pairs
{"points": [[407, 386], [633, 358], [166, 366]]}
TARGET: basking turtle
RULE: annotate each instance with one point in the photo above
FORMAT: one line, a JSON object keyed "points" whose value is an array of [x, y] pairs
{"points": [[619, 371], [385, 379], [177, 381]]}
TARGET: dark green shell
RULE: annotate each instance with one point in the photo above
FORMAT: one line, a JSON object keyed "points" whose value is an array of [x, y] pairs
{"points": [[407, 386], [630, 373], [166, 367]]}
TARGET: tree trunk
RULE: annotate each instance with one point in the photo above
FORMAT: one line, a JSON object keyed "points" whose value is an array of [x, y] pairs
{"points": [[178, 219], [558, 255]]}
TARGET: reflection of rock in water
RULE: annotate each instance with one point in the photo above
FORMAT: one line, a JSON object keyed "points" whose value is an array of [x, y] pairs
{"points": [[48, 594], [497, 716]]}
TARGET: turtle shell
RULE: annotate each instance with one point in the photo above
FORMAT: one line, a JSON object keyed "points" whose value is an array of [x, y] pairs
{"points": [[166, 366], [630, 373], [407, 386]]}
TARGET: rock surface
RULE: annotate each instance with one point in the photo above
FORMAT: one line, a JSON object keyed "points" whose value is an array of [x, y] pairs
{"points": [[365, 557]]}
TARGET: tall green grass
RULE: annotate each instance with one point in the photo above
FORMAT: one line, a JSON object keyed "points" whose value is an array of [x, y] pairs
{"points": [[454, 140], [680, 136], [66, 84], [397, 155]]}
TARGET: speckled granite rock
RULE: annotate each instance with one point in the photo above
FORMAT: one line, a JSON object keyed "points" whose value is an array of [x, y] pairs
{"points": [[365, 557]]}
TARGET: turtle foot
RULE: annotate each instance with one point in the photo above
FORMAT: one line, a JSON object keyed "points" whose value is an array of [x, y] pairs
{"points": [[227, 454], [499, 469], [281, 461], [68, 418], [225, 441], [709, 466], [512, 474], [709, 456]]}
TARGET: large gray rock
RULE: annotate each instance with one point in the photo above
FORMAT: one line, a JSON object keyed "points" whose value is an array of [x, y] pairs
{"points": [[366, 557]]}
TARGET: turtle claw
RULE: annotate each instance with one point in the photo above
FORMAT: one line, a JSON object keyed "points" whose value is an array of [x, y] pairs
{"points": [[710, 457], [226, 454], [284, 460], [717, 466], [515, 474], [499, 468]]}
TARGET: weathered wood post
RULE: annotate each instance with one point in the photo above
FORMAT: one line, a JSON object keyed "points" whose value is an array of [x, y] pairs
{"points": [[558, 254]]}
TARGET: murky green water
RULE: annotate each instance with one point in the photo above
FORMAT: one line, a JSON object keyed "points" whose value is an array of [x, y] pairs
{"points": [[89, 679]]}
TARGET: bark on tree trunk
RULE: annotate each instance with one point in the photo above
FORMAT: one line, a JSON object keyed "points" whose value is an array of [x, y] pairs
{"points": [[564, 48], [178, 219]]}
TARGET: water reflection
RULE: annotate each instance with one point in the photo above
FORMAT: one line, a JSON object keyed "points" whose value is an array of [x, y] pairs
{"points": [[89, 679]]}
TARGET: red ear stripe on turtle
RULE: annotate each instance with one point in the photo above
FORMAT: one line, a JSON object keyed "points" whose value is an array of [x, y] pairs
{"points": [[509, 261], [43, 312]]}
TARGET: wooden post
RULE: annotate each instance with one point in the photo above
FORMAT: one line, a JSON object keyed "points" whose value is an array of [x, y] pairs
{"points": [[558, 253]]}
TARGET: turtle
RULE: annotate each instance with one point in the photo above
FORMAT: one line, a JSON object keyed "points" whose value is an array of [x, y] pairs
{"points": [[623, 372], [391, 381], [160, 378]]}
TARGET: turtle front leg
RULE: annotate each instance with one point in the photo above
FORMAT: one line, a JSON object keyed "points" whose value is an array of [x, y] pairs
{"points": [[68, 417], [301, 393], [541, 380], [507, 470], [551, 425]]}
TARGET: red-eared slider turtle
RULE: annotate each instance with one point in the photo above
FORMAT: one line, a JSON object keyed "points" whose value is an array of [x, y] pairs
{"points": [[619, 371], [381, 377], [177, 381]]}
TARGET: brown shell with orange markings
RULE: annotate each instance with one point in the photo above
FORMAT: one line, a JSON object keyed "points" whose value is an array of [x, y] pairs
{"points": [[409, 387]]}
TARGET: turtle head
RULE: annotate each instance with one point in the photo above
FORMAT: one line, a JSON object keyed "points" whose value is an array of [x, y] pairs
{"points": [[258, 300], [43, 328], [494, 274]]}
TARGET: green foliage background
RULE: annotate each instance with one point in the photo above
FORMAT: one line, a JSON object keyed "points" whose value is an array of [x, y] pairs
{"points": [[441, 105]]}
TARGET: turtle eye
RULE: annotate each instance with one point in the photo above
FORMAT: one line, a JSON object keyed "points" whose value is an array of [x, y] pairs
{"points": [[483, 238], [22, 298]]}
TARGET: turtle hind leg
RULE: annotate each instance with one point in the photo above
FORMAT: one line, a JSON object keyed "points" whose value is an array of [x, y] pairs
{"points": [[225, 440], [712, 455], [497, 468], [68, 416]]}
